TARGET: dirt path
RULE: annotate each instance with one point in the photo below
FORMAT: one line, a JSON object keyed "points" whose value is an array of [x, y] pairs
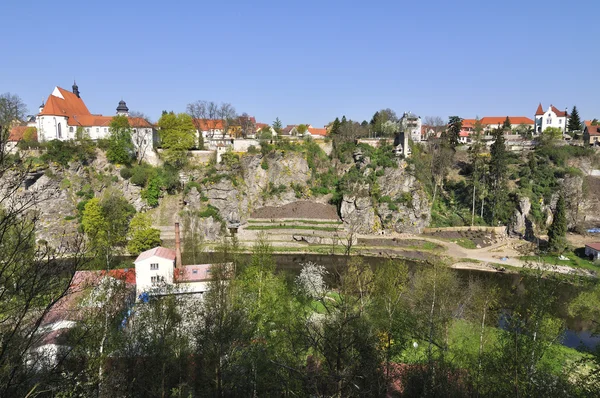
{"points": [[487, 256]]}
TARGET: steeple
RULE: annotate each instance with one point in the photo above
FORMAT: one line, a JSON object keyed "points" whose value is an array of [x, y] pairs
{"points": [[540, 110], [122, 109], [42, 106], [76, 89]]}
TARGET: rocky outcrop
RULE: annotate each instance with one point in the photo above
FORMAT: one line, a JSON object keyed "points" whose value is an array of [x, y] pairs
{"points": [[402, 206], [258, 177], [521, 224]]}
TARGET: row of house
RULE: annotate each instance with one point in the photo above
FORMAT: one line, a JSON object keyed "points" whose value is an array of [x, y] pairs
{"points": [[64, 116]]}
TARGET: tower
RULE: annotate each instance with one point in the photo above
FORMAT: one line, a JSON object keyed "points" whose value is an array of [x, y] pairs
{"points": [[42, 106], [76, 89], [122, 109]]}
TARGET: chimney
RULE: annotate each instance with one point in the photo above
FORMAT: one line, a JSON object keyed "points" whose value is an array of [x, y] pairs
{"points": [[177, 247]]}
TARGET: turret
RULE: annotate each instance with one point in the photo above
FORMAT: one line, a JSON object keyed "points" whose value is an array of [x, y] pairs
{"points": [[76, 89], [122, 109]]}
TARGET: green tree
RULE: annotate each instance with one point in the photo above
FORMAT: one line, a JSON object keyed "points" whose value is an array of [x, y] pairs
{"points": [[557, 240], [498, 174], [120, 146], [95, 225], [277, 126], [478, 165], [335, 127], [507, 126], [141, 234], [452, 133], [302, 129], [574, 121], [553, 133], [178, 136]]}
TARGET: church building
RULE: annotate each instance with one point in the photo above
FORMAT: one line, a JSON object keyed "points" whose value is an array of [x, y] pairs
{"points": [[64, 116]]}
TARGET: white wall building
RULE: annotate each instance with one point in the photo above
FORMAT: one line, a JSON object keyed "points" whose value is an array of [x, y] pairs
{"points": [[553, 117], [65, 115], [411, 124]]}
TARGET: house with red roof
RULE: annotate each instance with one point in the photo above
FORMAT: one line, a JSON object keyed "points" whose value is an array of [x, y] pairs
{"points": [[552, 117], [160, 271], [591, 133], [65, 114]]}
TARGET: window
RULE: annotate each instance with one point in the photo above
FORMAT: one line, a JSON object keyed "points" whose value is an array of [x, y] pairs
{"points": [[549, 121], [105, 129], [59, 131], [559, 121], [87, 130], [157, 279], [195, 271], [70, 129], [97, 129], [154, 266]]}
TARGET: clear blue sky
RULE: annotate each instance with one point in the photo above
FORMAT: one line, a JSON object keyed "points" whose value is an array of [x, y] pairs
{"points": [[307, 61]]}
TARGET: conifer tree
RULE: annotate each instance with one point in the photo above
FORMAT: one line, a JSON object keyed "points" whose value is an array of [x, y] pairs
{"points": [[335, 127], [277, 125], [506, 125], [557, 241], [453, 131], [574, 121]]}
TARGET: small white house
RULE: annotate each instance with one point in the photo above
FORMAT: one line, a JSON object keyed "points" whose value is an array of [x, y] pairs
{"points": [[153, 268], [553, 117], [593, 250]]}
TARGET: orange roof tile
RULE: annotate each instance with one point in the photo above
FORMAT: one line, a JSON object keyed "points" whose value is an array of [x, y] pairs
{"points": [[319, 132], [468, 122], [17, 132], [540, 110], [208, 124], [558, 113], [514, 120], [68, 106]]}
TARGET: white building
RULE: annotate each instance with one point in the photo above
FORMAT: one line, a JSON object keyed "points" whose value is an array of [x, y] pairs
{"points": [[411, 124], [159, 271], [553, 117], [65, 115]]}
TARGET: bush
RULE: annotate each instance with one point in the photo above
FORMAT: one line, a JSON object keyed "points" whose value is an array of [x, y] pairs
{"points": [[126, 173], [264, 164], [140, 176], [188, 187], [210, 211], [252, 150]]}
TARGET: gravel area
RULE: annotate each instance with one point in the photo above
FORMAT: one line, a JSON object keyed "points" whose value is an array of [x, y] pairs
{"points": [[300, 210]]}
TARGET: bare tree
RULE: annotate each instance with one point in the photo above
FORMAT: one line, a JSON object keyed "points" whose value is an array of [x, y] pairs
{"points": [[142, 141], [436, 123], [12, 109], [212, 116], [247, 124]]}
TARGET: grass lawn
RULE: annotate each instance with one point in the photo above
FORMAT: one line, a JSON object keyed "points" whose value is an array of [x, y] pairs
{"points": [[283, 226], [573, 261], [424, 245], [464, 348], [465, 242]]}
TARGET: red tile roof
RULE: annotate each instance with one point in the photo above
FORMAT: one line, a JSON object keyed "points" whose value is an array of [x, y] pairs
{"points": [[595, 245], [319, 132], [68, 106], [208, 124], [540, 110], [17, 132], [514, 120], [468, 122], [161, 252], [558, 113]]}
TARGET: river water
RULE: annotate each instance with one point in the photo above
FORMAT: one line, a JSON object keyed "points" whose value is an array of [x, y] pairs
{"points": [[577, 334]]}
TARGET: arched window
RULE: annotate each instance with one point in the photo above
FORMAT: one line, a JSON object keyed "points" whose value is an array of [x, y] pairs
{"points": [[59, 131], [70, 129]]}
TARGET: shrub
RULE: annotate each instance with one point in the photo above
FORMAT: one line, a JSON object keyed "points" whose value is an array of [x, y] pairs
{"points": [[140, 176], [210, 211], [252, 150], [264, 164], [151, 193], [188, 187], [126, 173]]}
